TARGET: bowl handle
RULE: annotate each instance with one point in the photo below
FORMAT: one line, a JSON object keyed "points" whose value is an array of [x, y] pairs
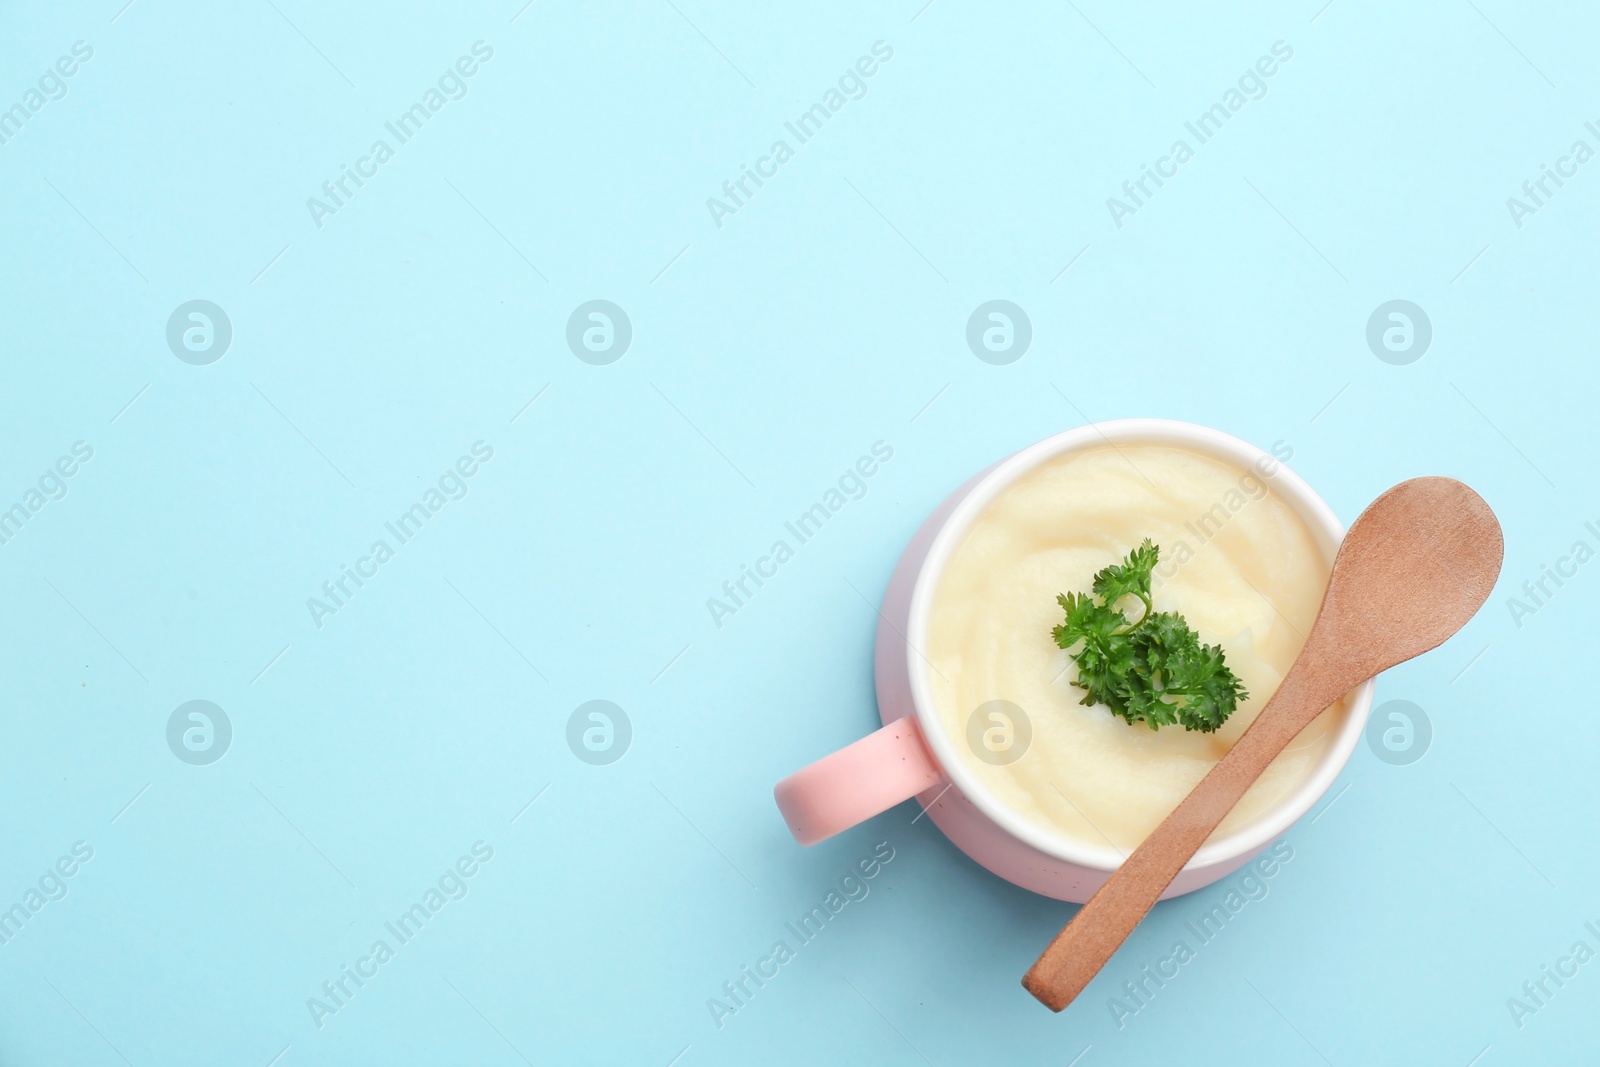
{"points": [[857, 782]]}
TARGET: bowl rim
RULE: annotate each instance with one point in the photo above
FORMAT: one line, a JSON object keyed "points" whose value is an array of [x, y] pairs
{"points": [[1326, 530]]}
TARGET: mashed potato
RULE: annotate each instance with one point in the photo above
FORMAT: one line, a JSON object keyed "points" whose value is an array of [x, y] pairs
{"points": [[1236, 561]]}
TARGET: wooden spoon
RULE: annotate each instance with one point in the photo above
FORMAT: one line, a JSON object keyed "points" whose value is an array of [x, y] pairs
{"points": [[1417, 564]]}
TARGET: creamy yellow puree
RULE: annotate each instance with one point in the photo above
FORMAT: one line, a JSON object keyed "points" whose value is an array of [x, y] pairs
{"points": [[1236, 561]]}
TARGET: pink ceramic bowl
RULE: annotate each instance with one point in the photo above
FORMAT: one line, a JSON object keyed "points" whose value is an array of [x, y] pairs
{"points": [[913, 756]]}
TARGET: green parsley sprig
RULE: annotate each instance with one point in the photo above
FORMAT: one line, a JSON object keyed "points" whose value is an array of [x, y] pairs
{"points": [[1155, 670]]}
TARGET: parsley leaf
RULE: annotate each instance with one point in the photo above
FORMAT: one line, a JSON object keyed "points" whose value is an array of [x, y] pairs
{"points": [[1155, 670], [1130, 577]]}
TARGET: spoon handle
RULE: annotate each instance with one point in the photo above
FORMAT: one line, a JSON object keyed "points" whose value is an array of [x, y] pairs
{"points": [[1102, 925]]}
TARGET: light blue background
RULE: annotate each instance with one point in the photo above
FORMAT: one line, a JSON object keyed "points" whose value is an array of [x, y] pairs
{"points": [[768, 354]]}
